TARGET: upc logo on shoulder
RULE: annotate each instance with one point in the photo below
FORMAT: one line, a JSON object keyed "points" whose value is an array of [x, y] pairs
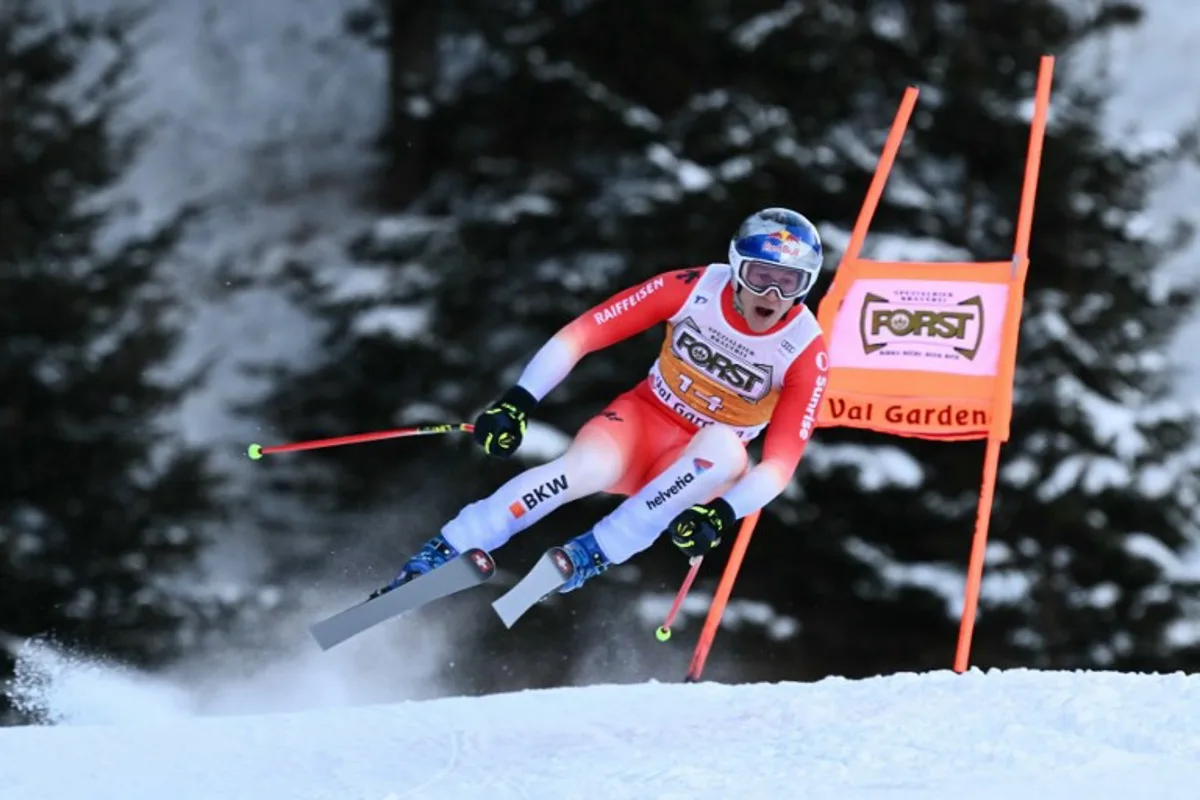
{"points": [[922, 323]]}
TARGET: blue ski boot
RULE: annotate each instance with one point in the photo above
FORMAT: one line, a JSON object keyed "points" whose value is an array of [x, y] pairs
{"points": [[433, 554], [587, 558]]}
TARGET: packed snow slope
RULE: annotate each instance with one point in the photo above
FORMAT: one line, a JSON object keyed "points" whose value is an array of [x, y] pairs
{"points": [[938, 736]]}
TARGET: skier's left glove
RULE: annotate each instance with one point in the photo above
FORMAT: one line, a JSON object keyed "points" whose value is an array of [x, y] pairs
{"points": [[698, 529], [500, 429]]}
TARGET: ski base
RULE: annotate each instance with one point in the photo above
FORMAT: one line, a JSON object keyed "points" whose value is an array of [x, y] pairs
{"points": [[550, 572], [471, 568]]}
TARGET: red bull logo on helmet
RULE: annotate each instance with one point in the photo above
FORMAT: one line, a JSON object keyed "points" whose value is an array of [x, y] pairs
{"points": [[783, 242]]}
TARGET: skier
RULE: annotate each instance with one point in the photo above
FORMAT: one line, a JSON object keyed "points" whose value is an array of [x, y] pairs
{"points": [[741, 351]]}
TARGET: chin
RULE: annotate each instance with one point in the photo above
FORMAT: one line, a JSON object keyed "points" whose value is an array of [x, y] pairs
{"points": [[759, 314], [760, 322]]}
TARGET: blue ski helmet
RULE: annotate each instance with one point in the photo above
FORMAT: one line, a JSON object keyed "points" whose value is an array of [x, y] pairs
{"points": [[776, 248]]}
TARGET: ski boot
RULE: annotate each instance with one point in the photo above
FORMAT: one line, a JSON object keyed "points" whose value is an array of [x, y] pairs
{"points": [[587, 559], [433, 554]]}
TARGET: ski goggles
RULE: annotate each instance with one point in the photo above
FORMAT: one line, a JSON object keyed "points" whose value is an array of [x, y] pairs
{"points": [[760, 277]]}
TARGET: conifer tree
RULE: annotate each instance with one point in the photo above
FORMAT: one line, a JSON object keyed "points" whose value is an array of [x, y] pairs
{"points": [[102, 507], [566, 151]]}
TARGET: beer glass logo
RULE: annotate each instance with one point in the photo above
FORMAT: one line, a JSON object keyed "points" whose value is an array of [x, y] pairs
{"points": [[920, 325]]}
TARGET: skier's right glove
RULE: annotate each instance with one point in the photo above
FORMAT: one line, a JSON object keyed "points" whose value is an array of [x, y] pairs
{"points": [[698, 529], [500, 429]]}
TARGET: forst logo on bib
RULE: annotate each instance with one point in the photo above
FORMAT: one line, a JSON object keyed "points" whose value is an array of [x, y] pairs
{"points": [[751, 381], [927, 324]]}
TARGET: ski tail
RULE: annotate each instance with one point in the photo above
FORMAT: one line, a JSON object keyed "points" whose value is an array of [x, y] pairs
{"points": [[551, 572], [471, 568]]}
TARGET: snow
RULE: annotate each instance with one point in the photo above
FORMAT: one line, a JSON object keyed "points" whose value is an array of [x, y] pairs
{"points": [[887, 247], [691, 176], [1174, 568], [933, 736], [944, 581], [399, 322], [1152, 105], [652, 609], [752, 33], [264, 116], [878, 466]]}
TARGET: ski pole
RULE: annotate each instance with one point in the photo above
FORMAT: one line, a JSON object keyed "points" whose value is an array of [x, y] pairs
{"points": [[664, 631], [257, 451], [717, 607]]}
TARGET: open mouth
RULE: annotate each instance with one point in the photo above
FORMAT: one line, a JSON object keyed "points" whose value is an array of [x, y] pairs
{"points": [[764, 312]]}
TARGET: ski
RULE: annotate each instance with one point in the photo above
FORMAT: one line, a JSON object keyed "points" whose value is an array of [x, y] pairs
{"points": [[551, 571], [472, 568]]}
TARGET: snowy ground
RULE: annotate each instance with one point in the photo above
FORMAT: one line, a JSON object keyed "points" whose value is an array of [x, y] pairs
{"points": [[940, 736]]}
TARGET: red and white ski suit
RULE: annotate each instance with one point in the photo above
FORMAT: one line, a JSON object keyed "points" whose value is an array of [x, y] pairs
{"points": [[678, 437]]}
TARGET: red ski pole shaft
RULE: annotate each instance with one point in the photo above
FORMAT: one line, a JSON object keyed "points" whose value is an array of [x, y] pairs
{"points": [[713, 621], [664, 631], [257, 451]]}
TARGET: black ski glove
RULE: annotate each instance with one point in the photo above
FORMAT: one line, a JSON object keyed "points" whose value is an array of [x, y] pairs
{"points": [[698, 529], [500, 429]]}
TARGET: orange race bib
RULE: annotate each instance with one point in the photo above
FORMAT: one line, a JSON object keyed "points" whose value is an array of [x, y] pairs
{"points": [[709, 372]]}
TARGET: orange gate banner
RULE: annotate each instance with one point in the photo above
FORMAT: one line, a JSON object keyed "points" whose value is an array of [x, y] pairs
{"points": [[928, 349], [921, 349]]}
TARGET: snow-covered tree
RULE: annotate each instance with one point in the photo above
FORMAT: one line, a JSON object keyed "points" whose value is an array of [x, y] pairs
{"points": [[1094, 511], [543, 155], [101, 508]]}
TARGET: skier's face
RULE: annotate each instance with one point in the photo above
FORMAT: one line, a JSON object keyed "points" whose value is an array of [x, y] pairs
{"points": [[762, 311]]}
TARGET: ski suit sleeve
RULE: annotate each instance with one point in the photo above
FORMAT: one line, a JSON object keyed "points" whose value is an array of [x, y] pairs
{"points": [[792, 423], [624, 314]]}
